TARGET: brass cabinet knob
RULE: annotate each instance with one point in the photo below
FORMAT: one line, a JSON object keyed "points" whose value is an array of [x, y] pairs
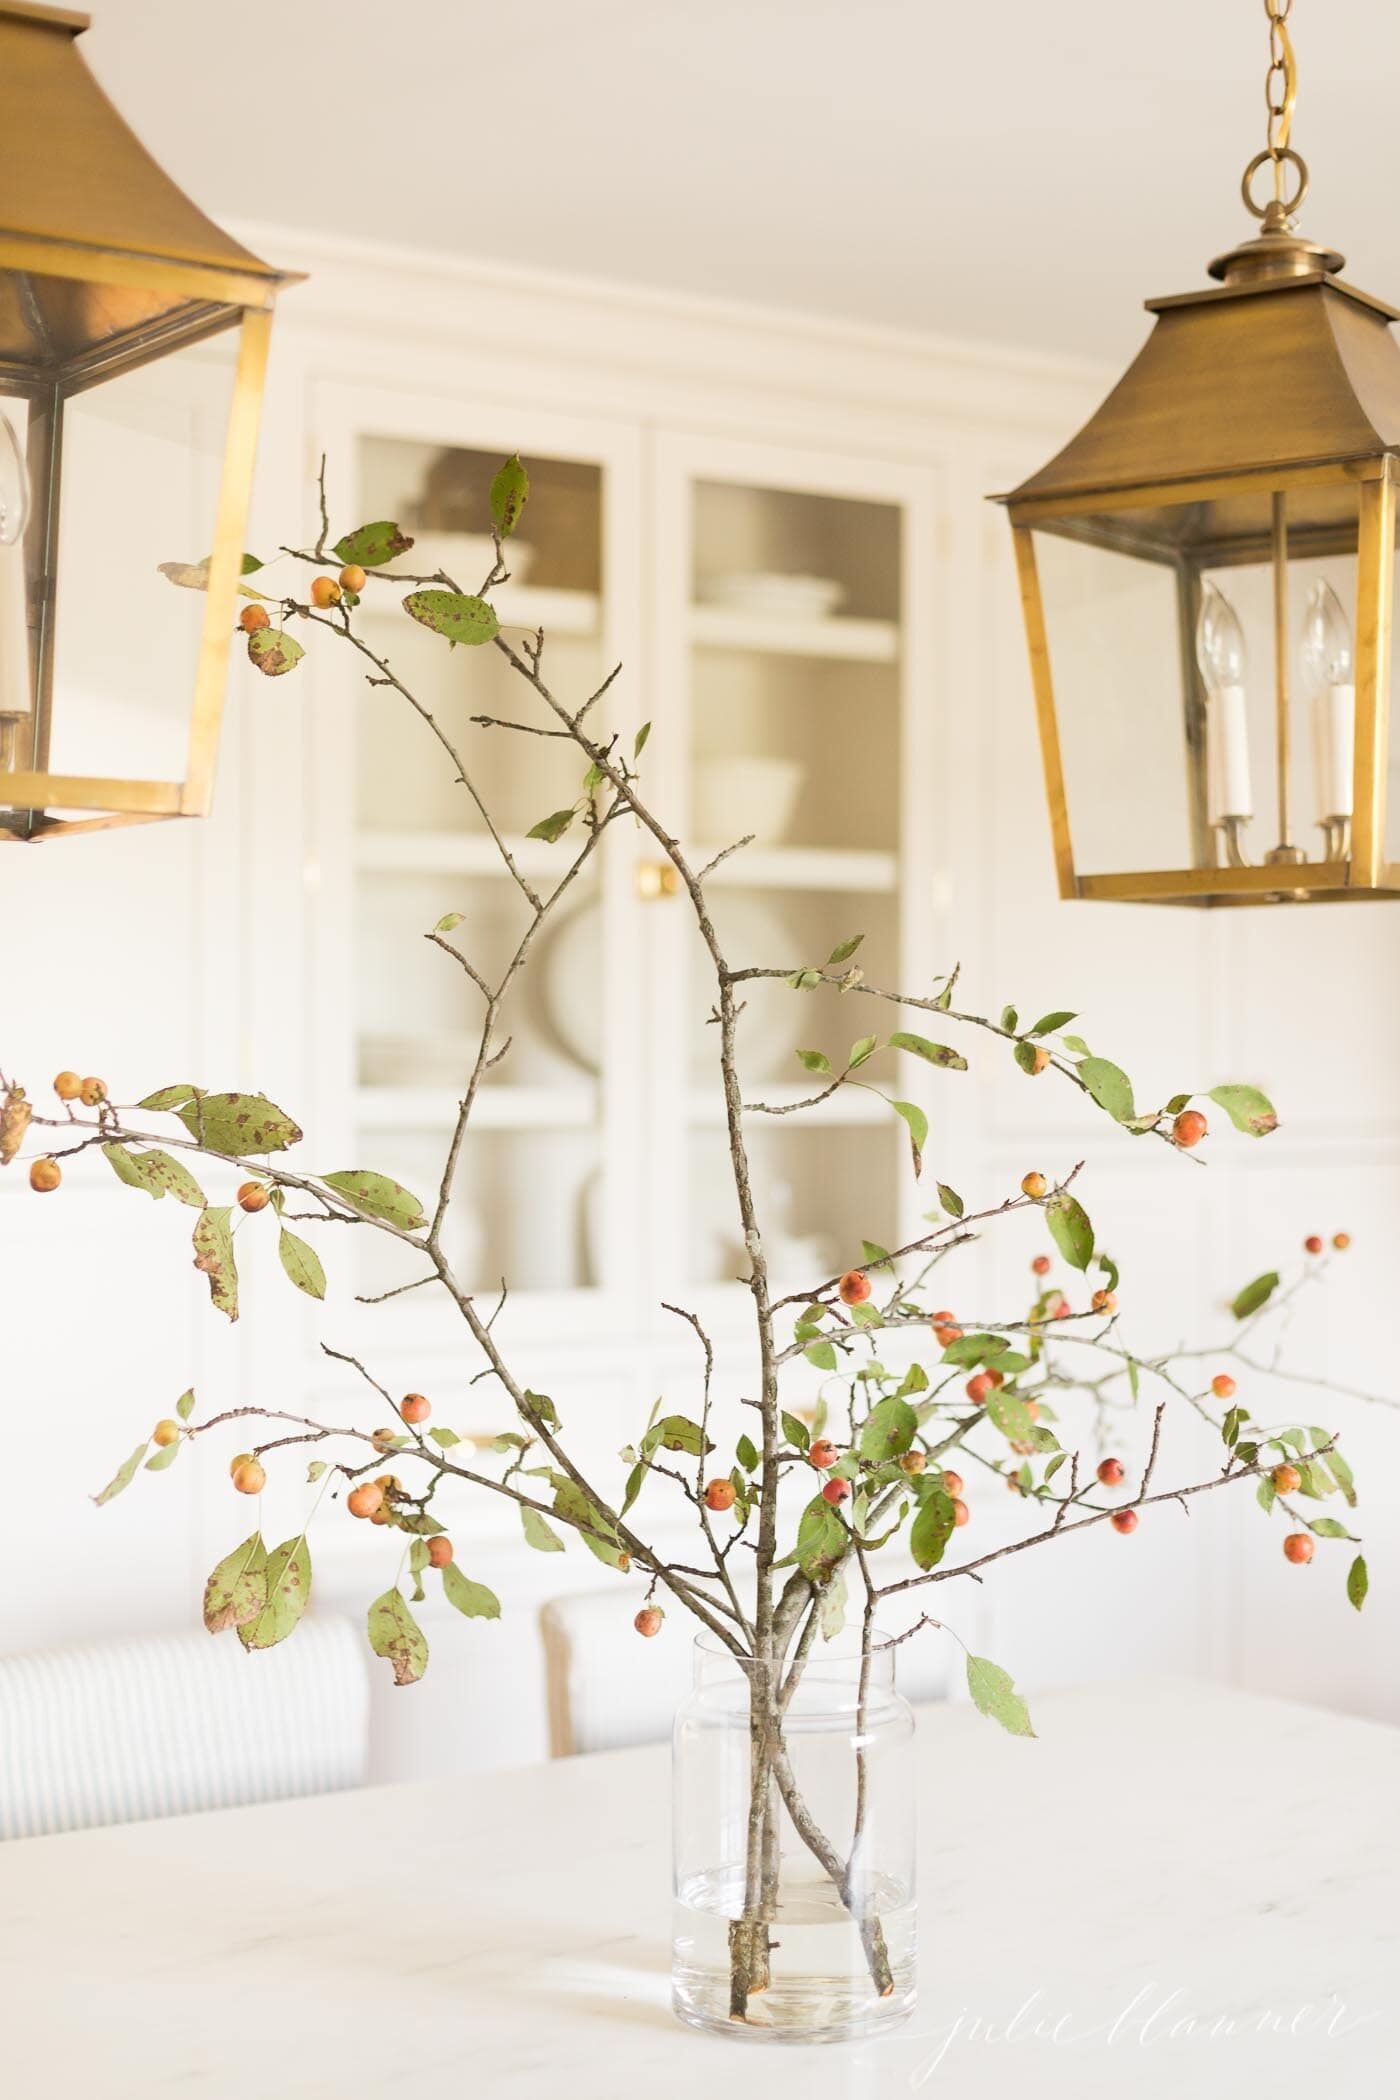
{"points": [[656, 879]]}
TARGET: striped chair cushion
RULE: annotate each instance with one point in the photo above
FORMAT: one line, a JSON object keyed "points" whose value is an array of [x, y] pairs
{"points": [[168, 1724]]}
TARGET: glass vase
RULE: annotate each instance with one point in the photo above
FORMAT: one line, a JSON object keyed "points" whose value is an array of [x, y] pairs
{"points": [[793, 1830]]}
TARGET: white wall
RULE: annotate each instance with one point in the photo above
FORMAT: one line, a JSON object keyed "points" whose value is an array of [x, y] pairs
{"points": [[171, 953]]}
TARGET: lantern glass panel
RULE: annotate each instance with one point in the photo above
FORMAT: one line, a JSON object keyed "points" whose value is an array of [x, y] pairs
{"points": [[1160, 628], [142, 463]]}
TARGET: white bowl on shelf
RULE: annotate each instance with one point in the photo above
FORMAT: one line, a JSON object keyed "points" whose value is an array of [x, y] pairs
{"points": [[736, 795], [769, 593]]}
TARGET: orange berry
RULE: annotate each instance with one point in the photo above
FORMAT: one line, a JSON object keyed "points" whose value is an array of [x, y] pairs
{"points": [[1041, 1265], [44, 1176], [249, 1477], [648, 1621], [823, 1454], [953, 1483], [381, 1515], [384, 1440], [946, 1336], [166, 1432], [834, 1491], [979, 1385], [1223, 1386], [440, 1551], [854, 1287], [253, 1195], [624, 1562], [913, 1462], [1189, 1128], [1034, 1186], [1286, 1479], [1033, 1410], [1061, 1308], [1298, 1548], [1341, 1241], [366, 1499], [253, 619], [68, 1086], [1111, 1472], [1311, 1245], [244, 1458], [91, 1091], [325, 591], [1124, 1520], [1102, 1302], [352, 578], [414, 1408], [719, 1495], [961, 1513], [1040, 1060]]}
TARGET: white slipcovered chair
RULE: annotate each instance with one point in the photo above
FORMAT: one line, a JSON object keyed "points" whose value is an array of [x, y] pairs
{"points": [[606, 1688], [167, 1724]]}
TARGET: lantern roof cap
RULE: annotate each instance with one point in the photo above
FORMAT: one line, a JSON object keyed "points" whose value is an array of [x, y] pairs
{"points": [[1281, 364]]}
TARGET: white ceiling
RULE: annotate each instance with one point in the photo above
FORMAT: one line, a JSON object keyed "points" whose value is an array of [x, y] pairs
{"points": [[1011, 172]]}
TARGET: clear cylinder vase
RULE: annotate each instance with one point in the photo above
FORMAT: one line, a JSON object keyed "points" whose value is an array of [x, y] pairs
{"points": [[793, 1833]]}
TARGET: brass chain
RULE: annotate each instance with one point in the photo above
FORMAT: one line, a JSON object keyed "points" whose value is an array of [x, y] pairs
{"points": [[1280, 97]]}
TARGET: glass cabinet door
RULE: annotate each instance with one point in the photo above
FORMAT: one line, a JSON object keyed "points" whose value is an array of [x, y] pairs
{"points": [[786, 684], [531, 1195]]}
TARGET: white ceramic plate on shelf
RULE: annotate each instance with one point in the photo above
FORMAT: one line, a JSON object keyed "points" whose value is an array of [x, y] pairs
{"points": [[769, 593], [571, 988]]}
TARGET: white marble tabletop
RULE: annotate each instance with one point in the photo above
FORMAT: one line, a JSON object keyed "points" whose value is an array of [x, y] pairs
{"points": [[1173, 1890]]}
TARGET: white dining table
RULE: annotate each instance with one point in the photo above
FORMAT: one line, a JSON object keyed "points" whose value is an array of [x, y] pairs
{"points": [[1174, 1889]]}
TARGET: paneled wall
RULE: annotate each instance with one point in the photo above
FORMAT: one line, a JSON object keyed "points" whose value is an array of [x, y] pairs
{"points": [[173, 953]]}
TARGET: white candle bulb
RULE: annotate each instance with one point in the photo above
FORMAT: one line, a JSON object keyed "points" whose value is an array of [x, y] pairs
{"points": [[1327, 669], [1221, 657], [14, 627]]}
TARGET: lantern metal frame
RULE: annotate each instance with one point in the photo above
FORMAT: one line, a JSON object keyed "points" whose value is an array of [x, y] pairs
{"points": [[1260, 419], [105, 265]]}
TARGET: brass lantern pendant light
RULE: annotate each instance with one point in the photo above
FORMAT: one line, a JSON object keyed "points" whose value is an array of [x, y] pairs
{"points": [[126, 423], [1208, 575]]}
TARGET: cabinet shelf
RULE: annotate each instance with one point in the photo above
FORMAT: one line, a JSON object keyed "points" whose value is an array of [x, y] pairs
{"points": [[849, 1106], [843, 868], [497, 1108], [450, 853], [849, 640]]}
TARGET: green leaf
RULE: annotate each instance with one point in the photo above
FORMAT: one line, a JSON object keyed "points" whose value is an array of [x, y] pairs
{"points": [[814, 1060], [236, 1592], [448, 920], [417, 1562], [472, 1599], [746, 1451], [1338, 1467], [918, 1129], [395, 1634], [873, 1255], [378, 1197], [1110, 1087], [165, 1456], [539, 1532], [1011, 1416], [821, 1355], [238, 1125], [123, 1476], [184, 1406], [302, 1263], [1358, 1582], [932, 1053], [639, 741], [168, 1097], [510, 491], [822, 1541], [1026, 1056], [1050, 1024], [444, 1438], [1255, 1294], [572, 1504], [553, 827], [1231, 1425], [1070, 1230], [274, 652], [677, 1433], [889, 1430], [803, 980], [796, 1432], [933, 1526], [157, 1173], [370, 546], [972, 1349], [845, 951], [454, 615], [1329, 1528], [861, 1051], [1248, 1109], [288, 1593], [951, 1201], [213, 1257], [314, 1471], [1077, 1044], [1009, 1018], [1266, 1494], [995, 1695]]}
